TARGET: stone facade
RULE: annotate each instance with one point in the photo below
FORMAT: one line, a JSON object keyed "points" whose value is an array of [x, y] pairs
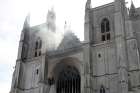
{"points": [[106, 62]]}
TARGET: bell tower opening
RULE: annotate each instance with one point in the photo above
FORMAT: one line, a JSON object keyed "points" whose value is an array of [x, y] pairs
{"points": [[105, 29], [68, 81]]}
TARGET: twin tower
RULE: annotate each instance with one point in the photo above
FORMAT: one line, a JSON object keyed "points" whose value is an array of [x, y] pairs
{"points": [[106, 62]]}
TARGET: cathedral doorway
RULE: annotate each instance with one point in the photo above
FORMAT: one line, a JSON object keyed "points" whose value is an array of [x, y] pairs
{"points": [[68, 81]]}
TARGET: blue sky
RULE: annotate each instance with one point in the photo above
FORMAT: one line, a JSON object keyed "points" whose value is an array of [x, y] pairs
{"points": [[13, 13]]}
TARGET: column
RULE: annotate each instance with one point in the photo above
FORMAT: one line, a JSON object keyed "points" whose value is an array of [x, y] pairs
{"points": [[78, 83], [62, 91], [74, 85], [66, 86], [70, 86], [58, 87]]}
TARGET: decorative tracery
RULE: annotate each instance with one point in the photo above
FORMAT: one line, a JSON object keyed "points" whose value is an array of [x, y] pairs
{"points": [[68, 81]]}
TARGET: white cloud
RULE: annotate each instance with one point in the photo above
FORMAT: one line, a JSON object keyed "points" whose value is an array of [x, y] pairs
{"points": [[4, 87]]}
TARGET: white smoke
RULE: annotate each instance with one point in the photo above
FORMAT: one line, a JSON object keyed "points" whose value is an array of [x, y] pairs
{"points": [[50, 39]]}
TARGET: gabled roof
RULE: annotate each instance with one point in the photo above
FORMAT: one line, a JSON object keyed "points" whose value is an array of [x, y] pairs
{"points": [[70, 40], [70, 43]]}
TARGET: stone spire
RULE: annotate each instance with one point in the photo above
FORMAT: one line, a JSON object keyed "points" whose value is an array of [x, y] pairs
{"points": [[88, 4], [120, 4], [121, 7], [24, 38], [27, 21], [26, 28], [51, 18], [51, 15], [65, 25], [132, 11]]}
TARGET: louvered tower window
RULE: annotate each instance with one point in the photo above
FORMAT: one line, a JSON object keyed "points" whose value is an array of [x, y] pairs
{"points": [[105, 30], [38, 46]]}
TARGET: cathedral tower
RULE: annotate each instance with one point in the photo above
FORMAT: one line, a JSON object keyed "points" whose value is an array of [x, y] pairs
{"points": [[23, 45], [106, 63], [51, 18], [22, 54]]}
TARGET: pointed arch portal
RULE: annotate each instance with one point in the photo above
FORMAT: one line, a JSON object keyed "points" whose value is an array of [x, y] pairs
{"points": [[68, 81]]}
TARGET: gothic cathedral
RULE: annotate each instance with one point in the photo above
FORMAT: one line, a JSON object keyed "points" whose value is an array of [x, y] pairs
{"points": [[107, 61]]}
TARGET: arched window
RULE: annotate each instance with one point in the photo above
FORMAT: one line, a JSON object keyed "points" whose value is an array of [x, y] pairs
{"points": [[102, 89], [105, 29], [38, 46], [35, 53], [69, 81]]}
